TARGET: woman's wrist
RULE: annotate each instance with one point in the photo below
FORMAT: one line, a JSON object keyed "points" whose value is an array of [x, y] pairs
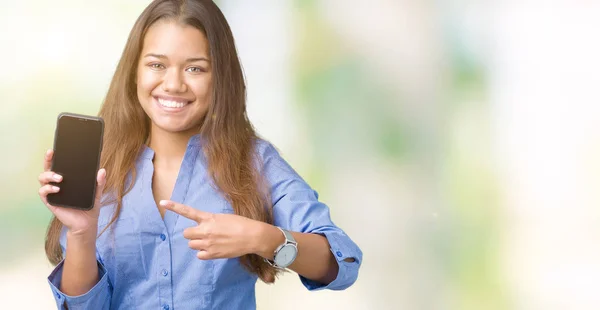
{"points": [[267, 239], [82, 238]]}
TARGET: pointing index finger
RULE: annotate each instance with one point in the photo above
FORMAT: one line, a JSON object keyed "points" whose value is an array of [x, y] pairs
{"points": [[183, 210]]}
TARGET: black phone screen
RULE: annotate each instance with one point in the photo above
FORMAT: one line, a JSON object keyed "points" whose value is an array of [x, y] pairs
{"points": [[77, 148]]}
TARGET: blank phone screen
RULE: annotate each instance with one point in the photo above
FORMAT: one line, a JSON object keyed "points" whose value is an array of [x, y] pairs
{"points": [[77, 148]]}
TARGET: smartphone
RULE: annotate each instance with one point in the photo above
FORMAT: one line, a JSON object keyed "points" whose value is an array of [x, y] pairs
{"points": [[77, 149]]}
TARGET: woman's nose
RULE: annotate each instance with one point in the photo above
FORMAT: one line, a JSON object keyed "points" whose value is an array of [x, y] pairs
{"points": [[173, 82]]}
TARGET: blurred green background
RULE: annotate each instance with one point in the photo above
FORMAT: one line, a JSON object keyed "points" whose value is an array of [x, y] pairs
{"points": [[455, 141]]}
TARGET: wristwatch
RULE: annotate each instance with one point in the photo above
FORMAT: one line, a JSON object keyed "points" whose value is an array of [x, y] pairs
{"points": [[286, 253]]}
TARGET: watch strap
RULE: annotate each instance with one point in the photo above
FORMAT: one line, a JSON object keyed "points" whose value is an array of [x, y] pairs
{"points": [[289, 239], [288, 236]]}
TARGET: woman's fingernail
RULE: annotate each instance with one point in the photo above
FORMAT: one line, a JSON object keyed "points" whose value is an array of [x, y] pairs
{"points": [[48, 152], [55, 188], [164, 203], [57, 177]]}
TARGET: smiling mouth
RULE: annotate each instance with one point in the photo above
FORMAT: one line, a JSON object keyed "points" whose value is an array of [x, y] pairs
{"points": [[172, 104]]}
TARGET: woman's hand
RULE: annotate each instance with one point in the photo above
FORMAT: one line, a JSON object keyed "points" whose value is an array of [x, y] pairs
{"points": [[218, 235], [79, 222]]}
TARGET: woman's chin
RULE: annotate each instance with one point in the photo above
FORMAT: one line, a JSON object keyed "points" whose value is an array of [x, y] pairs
{"points": [[171, 127], [174, 123]]}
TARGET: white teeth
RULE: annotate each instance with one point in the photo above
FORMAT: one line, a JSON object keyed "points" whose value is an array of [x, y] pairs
{"points": [[171, 104]]}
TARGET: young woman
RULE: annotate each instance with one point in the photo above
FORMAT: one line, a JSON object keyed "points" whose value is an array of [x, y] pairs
{"points": [[192, 207]]}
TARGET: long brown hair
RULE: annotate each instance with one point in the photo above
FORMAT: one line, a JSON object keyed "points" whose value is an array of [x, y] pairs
{"points": [[228, 136]]}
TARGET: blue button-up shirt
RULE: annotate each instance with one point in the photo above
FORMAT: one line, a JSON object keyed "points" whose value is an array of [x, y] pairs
{"points": [[145, 263]]}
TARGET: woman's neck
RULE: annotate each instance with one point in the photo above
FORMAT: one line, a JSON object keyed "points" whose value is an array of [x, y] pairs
{"points": [[169, 148]]}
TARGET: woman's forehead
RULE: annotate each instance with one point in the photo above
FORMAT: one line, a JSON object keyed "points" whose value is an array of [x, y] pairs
{"points": [[175, 40]]}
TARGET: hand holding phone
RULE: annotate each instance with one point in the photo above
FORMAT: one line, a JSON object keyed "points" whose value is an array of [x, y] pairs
{"points": [[71, 184]]}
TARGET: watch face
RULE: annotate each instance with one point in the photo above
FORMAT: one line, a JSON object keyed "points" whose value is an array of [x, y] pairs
{"points": [[286, 255]]}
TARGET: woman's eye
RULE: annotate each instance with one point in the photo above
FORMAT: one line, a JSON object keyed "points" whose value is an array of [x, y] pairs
{"points": [[156, 66], [195, 69]]}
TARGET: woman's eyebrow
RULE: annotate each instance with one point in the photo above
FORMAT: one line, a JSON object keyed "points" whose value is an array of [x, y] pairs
{"points": [[197, 59], [161, 56], [155, 55]]}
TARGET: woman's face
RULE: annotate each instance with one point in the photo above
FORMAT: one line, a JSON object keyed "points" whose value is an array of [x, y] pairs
{"points": [[174, 79]]}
